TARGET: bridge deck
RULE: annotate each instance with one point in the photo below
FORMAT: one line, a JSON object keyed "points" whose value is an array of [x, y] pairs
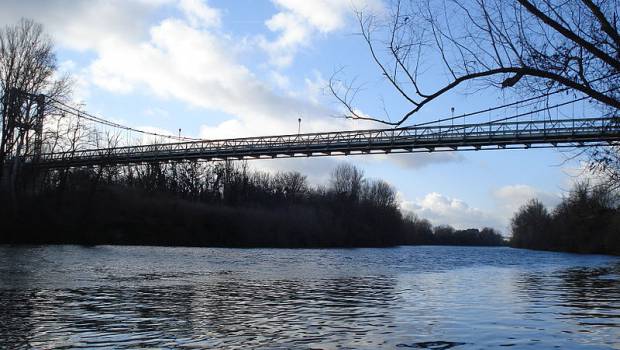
{"points": [[492, 135]]}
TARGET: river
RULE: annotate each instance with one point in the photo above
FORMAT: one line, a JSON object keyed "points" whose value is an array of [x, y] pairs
{"points": [[57, 297]]}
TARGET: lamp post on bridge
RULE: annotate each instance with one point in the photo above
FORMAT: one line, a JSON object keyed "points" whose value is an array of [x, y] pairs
{"points": [[452, 111], [298, 126], [179, 134]]}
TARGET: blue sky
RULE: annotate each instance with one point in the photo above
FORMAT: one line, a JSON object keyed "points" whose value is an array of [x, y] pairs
{"points": [[221, 69]]}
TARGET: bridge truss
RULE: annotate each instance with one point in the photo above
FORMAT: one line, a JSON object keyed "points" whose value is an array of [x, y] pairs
{"points": [[426, 138]]}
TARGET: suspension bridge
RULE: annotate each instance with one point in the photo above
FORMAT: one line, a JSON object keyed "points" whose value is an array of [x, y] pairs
{"points": [[503, 135], [521, 130]]}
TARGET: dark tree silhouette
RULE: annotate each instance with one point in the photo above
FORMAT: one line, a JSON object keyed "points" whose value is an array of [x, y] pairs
{"points": [[586, 221], [529, 225], [27, 64], [347, 181], [221, 204]]}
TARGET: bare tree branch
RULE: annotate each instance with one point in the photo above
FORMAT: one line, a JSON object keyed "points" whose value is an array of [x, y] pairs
{"points": [[518, 45]]}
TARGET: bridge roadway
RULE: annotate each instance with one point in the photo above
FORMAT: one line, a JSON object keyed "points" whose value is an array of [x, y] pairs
{"points": [[429, 138]]}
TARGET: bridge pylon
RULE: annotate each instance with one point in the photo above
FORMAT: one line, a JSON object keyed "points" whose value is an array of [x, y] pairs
{"points": [[22, 133]]}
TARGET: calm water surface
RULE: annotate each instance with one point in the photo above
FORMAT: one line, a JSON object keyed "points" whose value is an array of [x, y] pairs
{"points": [[408, 297]]}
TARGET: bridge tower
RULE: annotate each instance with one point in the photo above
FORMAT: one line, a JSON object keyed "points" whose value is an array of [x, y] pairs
{"points": [[22, 131]]}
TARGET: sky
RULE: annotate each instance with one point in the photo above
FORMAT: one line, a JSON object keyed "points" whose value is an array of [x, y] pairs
{"points": [[233, 68]]}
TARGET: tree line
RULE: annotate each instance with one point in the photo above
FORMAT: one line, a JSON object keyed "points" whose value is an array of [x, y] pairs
{"points": [[587, 220], [220, 204]]}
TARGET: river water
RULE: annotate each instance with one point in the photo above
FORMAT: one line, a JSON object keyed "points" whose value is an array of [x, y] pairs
{"points": [[406, 297]]}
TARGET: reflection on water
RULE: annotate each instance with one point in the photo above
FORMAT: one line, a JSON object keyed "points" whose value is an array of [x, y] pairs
{"points": [[410, 297]]}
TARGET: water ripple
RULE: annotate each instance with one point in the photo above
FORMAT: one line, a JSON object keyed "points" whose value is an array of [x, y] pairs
{"points": [[416, 297]]}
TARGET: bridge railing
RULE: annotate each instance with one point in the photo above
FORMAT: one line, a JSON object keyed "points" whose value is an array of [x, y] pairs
{"points": [[341, 140]]}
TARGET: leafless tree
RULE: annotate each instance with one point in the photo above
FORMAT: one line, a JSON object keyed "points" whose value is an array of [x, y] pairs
{"points": [[106, 141], [531, 45], [291, 184], [77, 135], [28, 66], [53, 136], [191, 179], [380, 193], [347, 181], [605, 161]]}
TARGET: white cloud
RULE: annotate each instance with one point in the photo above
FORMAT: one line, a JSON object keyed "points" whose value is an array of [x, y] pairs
{"points": [[84, 25], [280, 80], [511, 198], [299, 20], [444, 210], [294, 33], [327, 15], [441, 209], [198, 66], [199, 13]]}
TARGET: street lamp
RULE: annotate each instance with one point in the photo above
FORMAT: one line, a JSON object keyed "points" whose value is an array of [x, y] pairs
{"points": [[298, 126], [179, 134], [452, 110]]}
